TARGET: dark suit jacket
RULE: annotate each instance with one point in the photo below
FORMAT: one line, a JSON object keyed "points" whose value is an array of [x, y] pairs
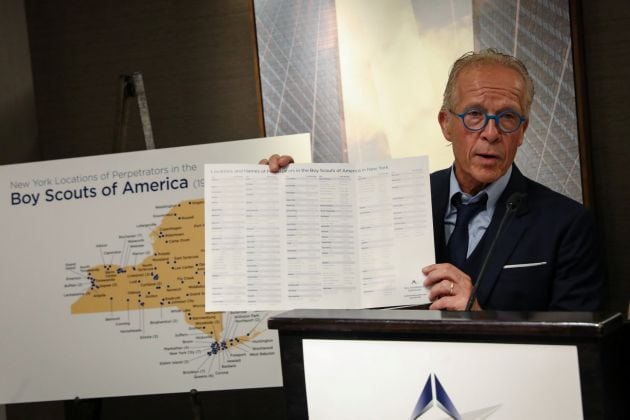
{"points": [[545, 258]]}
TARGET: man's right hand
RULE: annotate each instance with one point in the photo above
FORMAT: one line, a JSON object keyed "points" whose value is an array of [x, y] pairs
{"points": [[276, 162]]}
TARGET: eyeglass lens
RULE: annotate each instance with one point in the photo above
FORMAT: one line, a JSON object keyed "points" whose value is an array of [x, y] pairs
{"points": [[507, 121]]}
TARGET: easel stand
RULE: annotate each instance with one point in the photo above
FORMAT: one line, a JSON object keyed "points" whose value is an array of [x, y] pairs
{"points": [[195, 404], [131, 87]]}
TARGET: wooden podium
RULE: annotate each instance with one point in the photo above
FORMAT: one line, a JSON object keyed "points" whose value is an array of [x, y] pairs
{"points": [[597, 337]]}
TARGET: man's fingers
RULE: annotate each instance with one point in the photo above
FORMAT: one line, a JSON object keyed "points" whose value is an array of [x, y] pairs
{"points": [[437, 273], [285, 160], [445, 303], [449, 286], [426, 270], [276, 162], [443, 288], [273, 163]]}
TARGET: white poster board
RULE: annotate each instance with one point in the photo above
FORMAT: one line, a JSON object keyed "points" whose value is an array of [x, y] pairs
{"points": [[103, 278]]}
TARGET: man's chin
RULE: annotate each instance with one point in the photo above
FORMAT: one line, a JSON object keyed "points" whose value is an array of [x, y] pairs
{"points": [[487, 175]]}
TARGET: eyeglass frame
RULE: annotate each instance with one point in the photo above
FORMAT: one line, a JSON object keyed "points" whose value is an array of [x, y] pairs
{"points": [[488, 117]]}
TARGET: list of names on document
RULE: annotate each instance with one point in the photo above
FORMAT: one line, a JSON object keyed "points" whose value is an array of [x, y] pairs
{"points": [[317, 235]]}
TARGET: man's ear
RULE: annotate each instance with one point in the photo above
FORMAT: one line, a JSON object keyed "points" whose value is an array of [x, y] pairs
{"points": [[443, 119]]}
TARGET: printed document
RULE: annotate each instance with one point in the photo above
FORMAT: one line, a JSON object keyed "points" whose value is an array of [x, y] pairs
{"points": [[325, 236]]}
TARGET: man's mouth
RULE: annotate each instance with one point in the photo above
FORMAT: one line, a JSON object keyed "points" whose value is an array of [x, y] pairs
{"points": [[487, 156]]}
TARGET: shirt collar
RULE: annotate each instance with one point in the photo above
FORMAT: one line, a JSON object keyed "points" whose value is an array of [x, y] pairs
{"points": [[494, 190]]}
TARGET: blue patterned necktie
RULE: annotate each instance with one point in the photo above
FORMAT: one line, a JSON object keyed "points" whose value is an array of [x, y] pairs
{"points": [[458, 243]]}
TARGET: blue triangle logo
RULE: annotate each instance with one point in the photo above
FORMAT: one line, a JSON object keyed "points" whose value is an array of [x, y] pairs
{"points": [[434, 394]]}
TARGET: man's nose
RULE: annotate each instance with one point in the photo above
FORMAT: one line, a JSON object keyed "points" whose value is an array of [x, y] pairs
{"points": [[491, 131]]}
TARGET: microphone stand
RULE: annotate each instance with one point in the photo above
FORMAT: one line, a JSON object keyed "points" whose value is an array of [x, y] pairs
{"points": [[513, 204]]}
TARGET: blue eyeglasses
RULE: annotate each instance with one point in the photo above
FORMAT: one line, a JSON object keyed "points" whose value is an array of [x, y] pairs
{"points": [[476, 120]]}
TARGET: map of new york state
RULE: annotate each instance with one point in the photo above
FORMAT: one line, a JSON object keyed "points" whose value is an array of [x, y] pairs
{"points": [[173, 277]]}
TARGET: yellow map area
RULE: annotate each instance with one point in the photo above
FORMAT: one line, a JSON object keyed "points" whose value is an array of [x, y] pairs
{"points": [[172, 277]]}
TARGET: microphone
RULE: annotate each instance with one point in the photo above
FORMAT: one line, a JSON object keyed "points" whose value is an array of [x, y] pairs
{"points": [[515, 202]]}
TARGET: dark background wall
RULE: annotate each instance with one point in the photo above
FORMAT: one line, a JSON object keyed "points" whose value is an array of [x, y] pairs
{"points": [[18, 124], [198, 59], [606, 36]]}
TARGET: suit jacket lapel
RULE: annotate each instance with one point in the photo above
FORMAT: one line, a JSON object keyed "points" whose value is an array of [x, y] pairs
{"points": [[440, 185], [512, 232]]}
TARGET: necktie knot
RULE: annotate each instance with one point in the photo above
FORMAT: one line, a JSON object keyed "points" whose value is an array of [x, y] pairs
{"points": [[458, 243], [465, 212]]}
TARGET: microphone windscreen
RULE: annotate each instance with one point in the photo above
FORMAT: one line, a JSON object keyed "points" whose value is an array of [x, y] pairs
{"points": [[516, 201]]}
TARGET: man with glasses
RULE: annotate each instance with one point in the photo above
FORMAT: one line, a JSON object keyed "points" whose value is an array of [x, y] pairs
{"points": [[541, 255]]}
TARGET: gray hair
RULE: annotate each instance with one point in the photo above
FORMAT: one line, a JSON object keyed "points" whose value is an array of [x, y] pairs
{"points": [[488, 56]]}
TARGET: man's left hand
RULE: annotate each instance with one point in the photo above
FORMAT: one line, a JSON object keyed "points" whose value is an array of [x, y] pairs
{"points": [[450, 287]]}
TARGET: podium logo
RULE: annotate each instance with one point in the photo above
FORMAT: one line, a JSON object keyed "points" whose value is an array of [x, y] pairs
{"points": [[434, 395]]}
